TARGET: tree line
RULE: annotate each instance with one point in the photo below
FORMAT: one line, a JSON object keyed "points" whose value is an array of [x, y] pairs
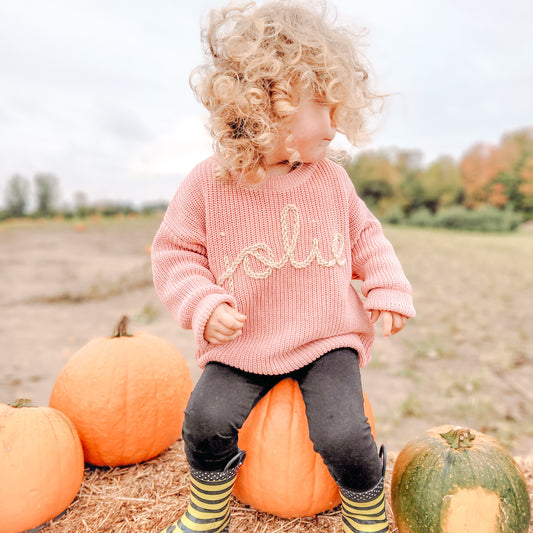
{"points": [[491, 183], [41, 197], [490, 187]]}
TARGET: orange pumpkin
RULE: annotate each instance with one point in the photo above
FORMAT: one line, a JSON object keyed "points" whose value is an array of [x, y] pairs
{"points": [[282, 474], [126, 395], [41, 465]]}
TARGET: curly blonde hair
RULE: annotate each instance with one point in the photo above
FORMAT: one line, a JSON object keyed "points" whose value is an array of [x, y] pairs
{"points": [[259, 60]]}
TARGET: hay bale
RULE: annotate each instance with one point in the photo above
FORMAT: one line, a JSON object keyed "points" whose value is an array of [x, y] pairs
{"points": [[145, 498]]}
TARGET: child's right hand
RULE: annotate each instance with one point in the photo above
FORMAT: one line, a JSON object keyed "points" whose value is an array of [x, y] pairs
{"points": [[224, 325]]}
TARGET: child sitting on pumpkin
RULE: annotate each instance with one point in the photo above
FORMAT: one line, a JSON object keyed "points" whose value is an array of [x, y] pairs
{"points": [[258, 249]]}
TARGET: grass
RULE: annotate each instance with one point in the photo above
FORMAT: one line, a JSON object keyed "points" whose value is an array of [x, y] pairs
{"points": [[468, 354]]}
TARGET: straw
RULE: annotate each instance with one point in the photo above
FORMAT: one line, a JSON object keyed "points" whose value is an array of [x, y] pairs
{"points": [[146, 497]]}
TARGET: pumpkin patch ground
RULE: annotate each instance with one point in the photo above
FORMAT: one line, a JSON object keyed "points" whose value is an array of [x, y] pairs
{"points": [[468, 362]]}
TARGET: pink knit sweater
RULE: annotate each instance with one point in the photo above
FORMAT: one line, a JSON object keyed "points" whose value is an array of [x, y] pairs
{"points": [[284, 254]]}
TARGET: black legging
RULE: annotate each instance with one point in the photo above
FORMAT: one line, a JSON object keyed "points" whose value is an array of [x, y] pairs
{"points": [[332, 392]]}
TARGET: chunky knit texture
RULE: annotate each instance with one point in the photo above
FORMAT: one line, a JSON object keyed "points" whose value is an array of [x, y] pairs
{"points": [[283, 253]]}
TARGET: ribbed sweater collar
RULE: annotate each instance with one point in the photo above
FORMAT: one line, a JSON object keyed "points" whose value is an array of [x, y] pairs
{"points": [[284, 182], [288, 181]]}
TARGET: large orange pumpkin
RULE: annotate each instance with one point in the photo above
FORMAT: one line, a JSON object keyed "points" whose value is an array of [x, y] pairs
{"points": [[282, 474], [41, 465], [458, 480], [126, 395]]}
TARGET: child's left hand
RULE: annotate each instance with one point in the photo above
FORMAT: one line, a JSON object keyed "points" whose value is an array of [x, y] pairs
{"points": [[392, 322]]}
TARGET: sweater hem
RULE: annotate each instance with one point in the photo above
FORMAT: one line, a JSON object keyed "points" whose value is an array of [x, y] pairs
{"points": [[284, 363]]}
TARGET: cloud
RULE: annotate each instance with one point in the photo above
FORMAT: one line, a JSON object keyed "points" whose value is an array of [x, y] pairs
{"points": [[97, 92], [125, 124], [176, 150]]}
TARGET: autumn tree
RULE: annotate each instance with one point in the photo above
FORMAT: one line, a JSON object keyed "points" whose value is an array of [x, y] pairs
{"points": [[526, 185], [46, 192], [441, 184], [516, 152], [81, 204], [409, 165], [478, 168], [375, 178], [499, 175], [16, 196]]}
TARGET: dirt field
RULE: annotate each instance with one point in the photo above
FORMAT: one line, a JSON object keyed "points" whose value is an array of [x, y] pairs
{"points": [[466, 359]]}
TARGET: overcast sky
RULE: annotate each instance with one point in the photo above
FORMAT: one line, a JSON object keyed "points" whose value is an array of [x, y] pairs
{"points": [[96, 91]]}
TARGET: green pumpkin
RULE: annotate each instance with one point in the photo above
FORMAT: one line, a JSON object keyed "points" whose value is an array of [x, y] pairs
{"points": [[457, 480]]}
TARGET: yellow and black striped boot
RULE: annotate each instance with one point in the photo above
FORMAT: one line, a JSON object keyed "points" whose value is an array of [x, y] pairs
{"points": [[208, 509], [364, 512]]}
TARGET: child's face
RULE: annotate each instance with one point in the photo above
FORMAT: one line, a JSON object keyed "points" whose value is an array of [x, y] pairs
{"points": [[309, 131]]}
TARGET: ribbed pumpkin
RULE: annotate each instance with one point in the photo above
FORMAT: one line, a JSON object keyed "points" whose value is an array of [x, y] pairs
{"points": [[126, 395], [457, 480], [41, 465], [282, 474]]}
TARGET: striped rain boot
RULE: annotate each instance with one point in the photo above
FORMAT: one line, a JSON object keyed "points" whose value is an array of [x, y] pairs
{"points": [[208, 509], [364, 512]]}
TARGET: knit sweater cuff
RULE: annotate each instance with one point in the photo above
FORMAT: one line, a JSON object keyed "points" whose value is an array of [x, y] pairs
{"points": [[390, 300], [202, 314]]}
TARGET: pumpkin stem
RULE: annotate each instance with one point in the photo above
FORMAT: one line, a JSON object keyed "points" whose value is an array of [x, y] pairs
{"points": [[121, 329], [21, 402], [459, 438]]}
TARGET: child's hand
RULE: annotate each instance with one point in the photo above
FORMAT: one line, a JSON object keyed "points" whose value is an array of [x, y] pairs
{"points": [[224, 325], [392, 322]]}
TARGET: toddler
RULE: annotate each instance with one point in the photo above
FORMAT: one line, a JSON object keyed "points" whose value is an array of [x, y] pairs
{"points": [[258, 249]]}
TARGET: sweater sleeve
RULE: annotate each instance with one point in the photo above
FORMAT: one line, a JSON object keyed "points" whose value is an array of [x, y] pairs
{"points": [[374, 261], [180, 265]]}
